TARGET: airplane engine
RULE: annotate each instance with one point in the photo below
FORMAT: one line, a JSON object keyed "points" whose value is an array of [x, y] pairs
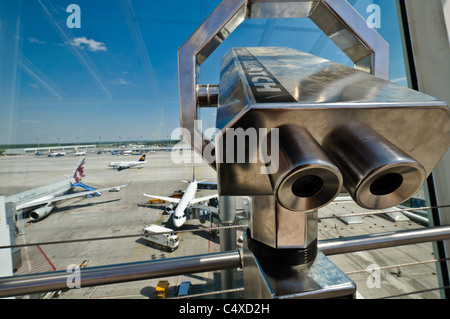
{"points": [[41, 212], [169, 208]]}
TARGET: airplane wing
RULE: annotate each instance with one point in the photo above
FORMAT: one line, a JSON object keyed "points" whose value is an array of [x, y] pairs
{"points": [[203, 185], [202, 199], [63, 197], [210, 209], [167, 199]]}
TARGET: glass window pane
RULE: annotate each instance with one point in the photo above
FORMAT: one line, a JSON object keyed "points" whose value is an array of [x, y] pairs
{"points": [[101, 77]]}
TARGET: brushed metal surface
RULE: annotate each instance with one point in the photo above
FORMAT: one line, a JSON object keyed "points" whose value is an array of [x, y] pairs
{"points": [[377, 174], [336, 18], [327, 96]]}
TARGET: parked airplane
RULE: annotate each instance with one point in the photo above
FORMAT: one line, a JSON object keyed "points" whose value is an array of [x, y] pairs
{"points": [[184, 203], [78, 153], [122, 165], [56, 154], [41, 199]]}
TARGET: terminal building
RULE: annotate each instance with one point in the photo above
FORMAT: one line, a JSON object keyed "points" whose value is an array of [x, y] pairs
{"points": [[51, 149]]}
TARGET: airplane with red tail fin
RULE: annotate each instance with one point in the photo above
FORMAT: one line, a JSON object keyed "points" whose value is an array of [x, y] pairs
{"points": [[40, 200]]}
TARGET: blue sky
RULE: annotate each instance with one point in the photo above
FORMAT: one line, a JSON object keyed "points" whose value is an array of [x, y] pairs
{"points": [[115, 78]]}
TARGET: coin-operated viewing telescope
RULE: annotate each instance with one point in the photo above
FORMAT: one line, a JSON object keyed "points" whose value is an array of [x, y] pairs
{"points": [[296, 130]]}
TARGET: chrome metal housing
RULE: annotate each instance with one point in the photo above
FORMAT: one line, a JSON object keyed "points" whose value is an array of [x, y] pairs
{"points": [[377, 173], [401, 132], [306, 178], [336, 18]]}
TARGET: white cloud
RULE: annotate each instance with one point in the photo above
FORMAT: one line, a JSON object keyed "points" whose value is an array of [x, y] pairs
{"points": [[91, 44], [34, 40], [121, 81]]}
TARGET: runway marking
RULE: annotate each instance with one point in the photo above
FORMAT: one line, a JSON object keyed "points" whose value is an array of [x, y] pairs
{"points": [[157, 222], [137, 251], [34, 260], [93, 291], [209, 242], [46, 258]]}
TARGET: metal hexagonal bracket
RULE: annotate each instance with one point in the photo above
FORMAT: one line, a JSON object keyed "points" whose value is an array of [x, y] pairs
{"points": [[336, 18]]}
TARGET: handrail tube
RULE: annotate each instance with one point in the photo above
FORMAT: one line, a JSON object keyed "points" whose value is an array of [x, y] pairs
{"points": [[102, 275], [383, 240]]}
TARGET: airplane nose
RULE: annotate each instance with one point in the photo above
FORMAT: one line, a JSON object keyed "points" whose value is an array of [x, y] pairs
{"points": [[178, 222]]}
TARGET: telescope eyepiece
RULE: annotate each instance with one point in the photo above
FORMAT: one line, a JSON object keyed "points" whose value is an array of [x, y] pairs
{"points": [[377, 173], [307, 186], [386, 184], [306, 178]]}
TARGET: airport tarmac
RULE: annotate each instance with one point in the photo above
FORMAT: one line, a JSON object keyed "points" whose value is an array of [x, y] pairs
{"points": [[126, 212], [111, 214]]}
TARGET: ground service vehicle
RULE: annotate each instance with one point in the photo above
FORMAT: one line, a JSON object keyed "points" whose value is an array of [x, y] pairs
{"points": [[185, 289], [162, 290], [158, 236]]}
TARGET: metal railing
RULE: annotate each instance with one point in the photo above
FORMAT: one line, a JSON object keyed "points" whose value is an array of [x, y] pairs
{"points": [[117, 273], [102, 275], [383, 240]]}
